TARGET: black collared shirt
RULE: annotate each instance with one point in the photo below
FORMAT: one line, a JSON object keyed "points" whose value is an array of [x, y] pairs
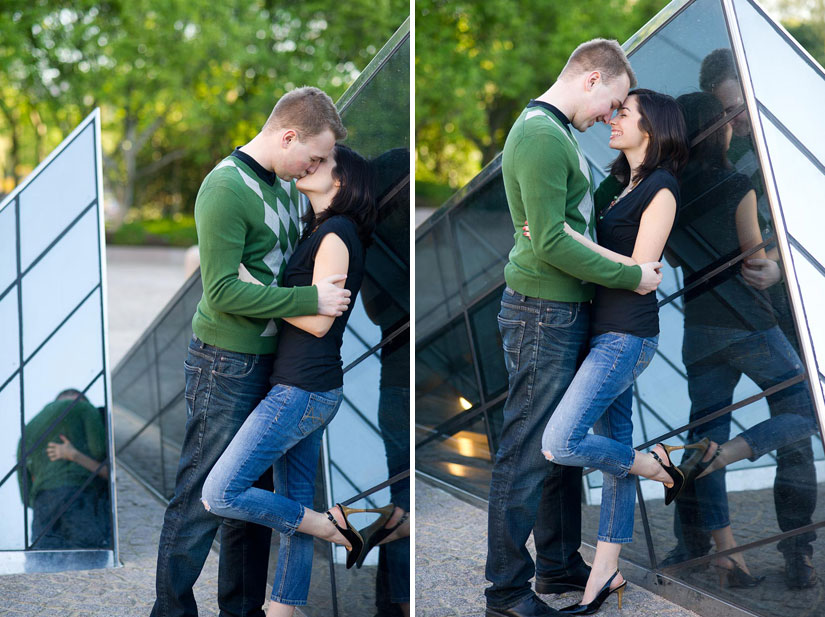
{"points": [[553, 110], [267, 176]]}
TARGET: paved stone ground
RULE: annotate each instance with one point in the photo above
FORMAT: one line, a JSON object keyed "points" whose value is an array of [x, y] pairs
{"points": [[451, 546]]}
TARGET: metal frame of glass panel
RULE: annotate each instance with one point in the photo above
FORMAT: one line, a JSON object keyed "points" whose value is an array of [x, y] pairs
{"points": [[433, 322], [146, 430], [34, 559]]}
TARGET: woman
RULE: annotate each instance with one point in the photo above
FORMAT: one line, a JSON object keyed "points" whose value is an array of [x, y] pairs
{"points": [[635, 207], [731, 329], [285, 429]]}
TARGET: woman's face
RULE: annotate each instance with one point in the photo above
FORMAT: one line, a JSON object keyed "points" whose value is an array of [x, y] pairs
{"points": [[321, 181], [625, 133]]}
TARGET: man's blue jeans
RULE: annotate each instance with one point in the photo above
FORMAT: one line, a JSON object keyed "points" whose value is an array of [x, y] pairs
{"points": [[715, 359], [222, 389], [601, 397], [284, 431], [543, 342]]}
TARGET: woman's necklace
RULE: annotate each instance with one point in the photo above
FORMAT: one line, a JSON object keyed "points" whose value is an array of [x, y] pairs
{"points": [[616, 198]]}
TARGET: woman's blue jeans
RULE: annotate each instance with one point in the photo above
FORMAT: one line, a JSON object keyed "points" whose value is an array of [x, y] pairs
{"points": [[283, 431], [600, 397]]}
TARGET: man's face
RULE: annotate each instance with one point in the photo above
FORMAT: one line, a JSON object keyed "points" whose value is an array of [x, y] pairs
{"points": [[730, 95], [300, 158], [601, 99]]}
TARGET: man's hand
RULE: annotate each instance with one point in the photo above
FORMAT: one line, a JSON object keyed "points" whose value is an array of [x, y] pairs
{"points": [[761, 273], [332, 300], [651, 277], [65, 450]]}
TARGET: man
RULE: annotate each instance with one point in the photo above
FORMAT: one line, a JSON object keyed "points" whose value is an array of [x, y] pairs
{"points": [[544, 327], [247, 211]]}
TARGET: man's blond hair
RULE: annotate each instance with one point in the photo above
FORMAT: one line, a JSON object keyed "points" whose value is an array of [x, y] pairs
{"points": [[309, 111], [603, 55]]}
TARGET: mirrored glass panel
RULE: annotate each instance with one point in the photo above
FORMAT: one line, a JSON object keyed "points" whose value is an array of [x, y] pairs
{"points": [[445, 379], [10, 334], [771, 580], [777, 69], [798, 180], [63, 189], [811, 280], [463, 457], [13, 521], [8, 246], [53, 394], [437, 286]]}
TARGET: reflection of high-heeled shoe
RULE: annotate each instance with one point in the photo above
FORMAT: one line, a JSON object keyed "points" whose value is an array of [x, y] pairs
{"points": [[350, 533], [672, 491], [595, 605], [693, 466], [737, 577], [376, 532]]}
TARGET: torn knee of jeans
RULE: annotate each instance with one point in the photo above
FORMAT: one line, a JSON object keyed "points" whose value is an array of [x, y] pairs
{"points": [[548, 455], [206, 505]]}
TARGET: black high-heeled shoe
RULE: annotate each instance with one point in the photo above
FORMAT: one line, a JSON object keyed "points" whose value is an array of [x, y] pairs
{"points": [[350, 533], [376, 532], [595, 605], [672, 491], [737, 577]]}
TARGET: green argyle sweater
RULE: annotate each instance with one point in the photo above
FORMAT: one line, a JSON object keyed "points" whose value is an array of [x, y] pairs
{"points": [[241, 219], [547, 182]]}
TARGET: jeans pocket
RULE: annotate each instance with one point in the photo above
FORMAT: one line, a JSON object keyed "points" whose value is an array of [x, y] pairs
{"points": [[645, 356], [235, 365], [558, 315], [321, 406], [512, 338], [192, 375]]}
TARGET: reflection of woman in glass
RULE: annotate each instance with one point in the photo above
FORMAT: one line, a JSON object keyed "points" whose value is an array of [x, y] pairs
{"points": [[285, 429], [731, 330], [636, 206]]}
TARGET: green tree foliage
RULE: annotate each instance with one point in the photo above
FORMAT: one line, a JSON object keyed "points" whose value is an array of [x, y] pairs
{"points": [[477, 63], [179, 82]]}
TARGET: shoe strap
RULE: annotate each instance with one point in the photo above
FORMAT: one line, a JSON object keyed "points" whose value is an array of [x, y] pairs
{"points": [[334, 522]]}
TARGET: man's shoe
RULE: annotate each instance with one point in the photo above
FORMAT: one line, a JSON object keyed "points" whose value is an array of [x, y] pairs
{"points": [[799, 571], [562, 584], [531, 606]]}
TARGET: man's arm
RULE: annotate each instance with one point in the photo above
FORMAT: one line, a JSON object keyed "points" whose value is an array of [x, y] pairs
{"points": [[543, 184], [221, 236]]}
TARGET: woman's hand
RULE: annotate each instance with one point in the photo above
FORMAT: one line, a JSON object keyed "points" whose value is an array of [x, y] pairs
{"points": [[65, 451], [761, 273], [526, 229], [245, 277]]}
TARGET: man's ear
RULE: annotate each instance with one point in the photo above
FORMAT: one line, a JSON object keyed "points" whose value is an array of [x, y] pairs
{"points": [[593, 78], [289, 136]]}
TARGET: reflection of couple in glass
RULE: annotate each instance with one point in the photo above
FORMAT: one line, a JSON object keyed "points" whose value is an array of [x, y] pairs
{"points": [[251, 409], [575, 363], [732, 329]]}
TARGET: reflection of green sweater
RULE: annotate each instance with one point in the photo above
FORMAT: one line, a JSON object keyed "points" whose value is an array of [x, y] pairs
{"points": [[547, 181], [242, 219], [83, 426]]}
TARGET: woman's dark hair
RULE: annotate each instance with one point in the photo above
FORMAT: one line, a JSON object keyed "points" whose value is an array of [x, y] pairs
{"points": [[354, 198], [701, 110], [661, 118]]}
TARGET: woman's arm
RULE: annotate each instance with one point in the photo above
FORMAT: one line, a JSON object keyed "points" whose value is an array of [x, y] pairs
{"points": [[332, 257], [654, 228], [760, 270]]}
